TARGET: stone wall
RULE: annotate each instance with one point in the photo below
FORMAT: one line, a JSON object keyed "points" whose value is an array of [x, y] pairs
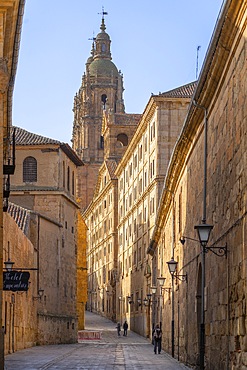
{"points": [[225, 278], [19, 309], [81, 271]]}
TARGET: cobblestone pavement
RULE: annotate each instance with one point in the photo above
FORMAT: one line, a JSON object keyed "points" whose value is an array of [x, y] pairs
{"points": [[110, 352]]}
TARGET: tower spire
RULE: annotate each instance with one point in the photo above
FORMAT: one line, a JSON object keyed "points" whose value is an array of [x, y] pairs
{"points": [[103, 13]]}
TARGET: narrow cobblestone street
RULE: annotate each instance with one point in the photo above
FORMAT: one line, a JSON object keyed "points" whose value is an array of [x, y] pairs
{"points": [[110, 352]]}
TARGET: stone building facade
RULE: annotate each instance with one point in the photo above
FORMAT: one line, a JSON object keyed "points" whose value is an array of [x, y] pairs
{"points": [[101, 216], [141, 174], [82, 273], [11, 15], [20, 309], [218, 119], [45, 183], [101, 220]]}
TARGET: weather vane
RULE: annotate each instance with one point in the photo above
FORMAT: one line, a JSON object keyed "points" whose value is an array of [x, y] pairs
{"points": [[103, 12]]}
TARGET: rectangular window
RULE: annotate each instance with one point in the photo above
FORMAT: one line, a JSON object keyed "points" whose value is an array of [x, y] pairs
{"points": [[140, 253], [145, 179], [140, 219], [126, 176], [152, 131], [145, 143], [135, 161], [140, 185], [140, 153], [130, 200], [135, 260], [130, 169]]}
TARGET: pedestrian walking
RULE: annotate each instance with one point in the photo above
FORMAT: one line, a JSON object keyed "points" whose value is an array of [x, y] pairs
{"points": [[157, 336], [125, 328], [118, 328]]}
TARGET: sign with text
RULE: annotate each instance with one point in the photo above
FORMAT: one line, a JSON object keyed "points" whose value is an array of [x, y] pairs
{"points": [[16, 281]]}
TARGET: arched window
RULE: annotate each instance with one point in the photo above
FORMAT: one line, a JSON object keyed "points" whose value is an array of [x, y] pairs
{"points": [[123, 139], [104, 100], [29, 169]]}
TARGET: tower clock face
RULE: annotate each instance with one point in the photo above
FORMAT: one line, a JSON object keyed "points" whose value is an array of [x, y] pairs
{"points": [[103, 47]]}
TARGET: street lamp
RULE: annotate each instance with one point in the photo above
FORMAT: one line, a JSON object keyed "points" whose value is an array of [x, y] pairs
{"points": [[139, 301], [130, 300], [9, 265], [146, 301], [172, 265], [153, 289], [203, 231], [161, 280]]}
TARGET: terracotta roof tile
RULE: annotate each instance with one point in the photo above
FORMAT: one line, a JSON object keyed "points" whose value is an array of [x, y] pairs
{"points": [[23, 137], [20, 215], [185, 91]]}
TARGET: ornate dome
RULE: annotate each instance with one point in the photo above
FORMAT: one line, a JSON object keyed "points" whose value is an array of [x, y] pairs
{"points": [[103, 67], [102, 36]]}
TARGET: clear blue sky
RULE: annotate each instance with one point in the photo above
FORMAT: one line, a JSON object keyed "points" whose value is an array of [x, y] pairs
{"points": [[154, 44]]}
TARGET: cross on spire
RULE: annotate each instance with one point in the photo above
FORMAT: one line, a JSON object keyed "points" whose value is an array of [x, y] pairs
{"points": [[103, 13], [92, 38]]}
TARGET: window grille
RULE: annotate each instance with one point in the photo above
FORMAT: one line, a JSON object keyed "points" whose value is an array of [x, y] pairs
{"points": [[30, 169]]}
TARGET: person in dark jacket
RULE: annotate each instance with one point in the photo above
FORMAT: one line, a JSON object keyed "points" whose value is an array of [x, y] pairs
{"points": [[157, 336], [125, 328]]}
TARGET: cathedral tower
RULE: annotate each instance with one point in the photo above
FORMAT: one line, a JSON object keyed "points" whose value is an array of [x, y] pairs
{"points": [[101, 128], [101, 88]]}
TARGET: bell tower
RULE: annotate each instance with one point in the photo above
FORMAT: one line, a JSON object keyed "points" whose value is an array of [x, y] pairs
{"points": [[101, 89]]}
